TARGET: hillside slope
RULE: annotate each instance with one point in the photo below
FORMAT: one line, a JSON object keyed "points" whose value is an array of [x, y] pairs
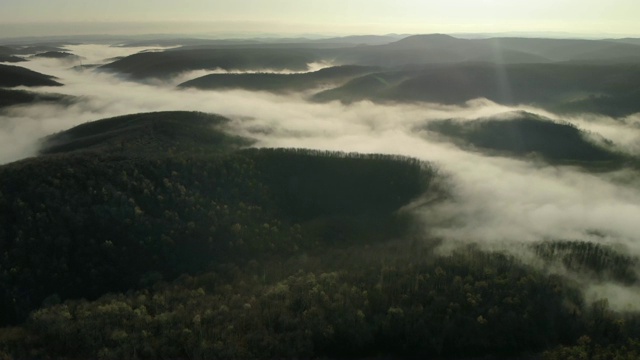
{"points": [[12, 76], [147, 135], [522, 133], [605, 89], [170, 63], [158, 236], [332, 76], [9, 97], [94, 216]]}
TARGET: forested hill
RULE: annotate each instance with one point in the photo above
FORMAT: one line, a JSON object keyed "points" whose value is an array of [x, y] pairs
{"points": [[280, 82], [412, 50], [167, 63], [57, 55], [11, 76], [10, 58], [521, 133], [119, 203], [609, 89], [160, 236], [154, 135], [11, 97]]}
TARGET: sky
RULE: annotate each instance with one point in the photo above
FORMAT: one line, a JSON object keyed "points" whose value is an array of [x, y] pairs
{"points": [[330, 17]]}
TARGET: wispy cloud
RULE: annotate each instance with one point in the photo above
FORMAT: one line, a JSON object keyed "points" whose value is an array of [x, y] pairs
{"points": [[495, 201]]}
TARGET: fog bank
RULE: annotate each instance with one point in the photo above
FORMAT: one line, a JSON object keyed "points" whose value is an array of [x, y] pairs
{"points": [[495, 201]]}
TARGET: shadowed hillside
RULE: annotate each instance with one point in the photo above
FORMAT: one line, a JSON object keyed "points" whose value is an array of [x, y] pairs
{"points": [[28, 49], [57, 55], [388, 51], [144, 235], [168, 63], [178, 197], [165, 235], [11, 76], [11, 58], [605, 89], [20, 97], [521, 133], [434, 49], [575, 50], [147, 135], [279, 82], [440, 49]]}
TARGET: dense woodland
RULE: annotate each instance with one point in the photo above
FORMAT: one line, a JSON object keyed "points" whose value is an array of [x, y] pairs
{"points": [[160, 235], [278, 83], [122, 242], [16, 53], [380, 301], [608, 89], [57, 55], [167, 63], [521, 134], [12, 76]]}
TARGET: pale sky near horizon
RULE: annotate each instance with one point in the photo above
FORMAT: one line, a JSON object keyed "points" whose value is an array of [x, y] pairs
{"points": [[294, 17]]}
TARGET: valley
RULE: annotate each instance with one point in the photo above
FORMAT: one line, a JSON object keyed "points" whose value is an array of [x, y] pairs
{"points": [[348, 197]]}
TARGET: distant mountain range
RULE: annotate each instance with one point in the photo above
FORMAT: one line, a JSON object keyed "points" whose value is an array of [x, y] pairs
{"points": [[561, 75], [609, 89], [373, 51], [172, 62]]}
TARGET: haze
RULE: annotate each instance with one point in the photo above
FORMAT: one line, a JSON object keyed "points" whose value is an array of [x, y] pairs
{"points": [[291, 17], [290, 179]]}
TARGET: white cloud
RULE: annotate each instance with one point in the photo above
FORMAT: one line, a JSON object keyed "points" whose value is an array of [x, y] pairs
{"points": [[496, 201]]}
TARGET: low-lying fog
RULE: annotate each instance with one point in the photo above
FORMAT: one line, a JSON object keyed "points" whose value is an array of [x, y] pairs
{"points": [[496, 201]]}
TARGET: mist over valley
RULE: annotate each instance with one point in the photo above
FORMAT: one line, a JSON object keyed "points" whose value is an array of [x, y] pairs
{"points": [[361, 196]]}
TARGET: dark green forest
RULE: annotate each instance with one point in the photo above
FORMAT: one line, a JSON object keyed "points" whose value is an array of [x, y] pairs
{"points": [[608, 89], [160, 235], [280, 82], [57, 55], [9, 97], [16, 53], [163, 235], [521, 133], [10, 58], [157, 64], [12, 76]]}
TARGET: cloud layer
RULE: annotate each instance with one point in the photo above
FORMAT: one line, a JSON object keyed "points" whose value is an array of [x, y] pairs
{"points": [[495, 201]]}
